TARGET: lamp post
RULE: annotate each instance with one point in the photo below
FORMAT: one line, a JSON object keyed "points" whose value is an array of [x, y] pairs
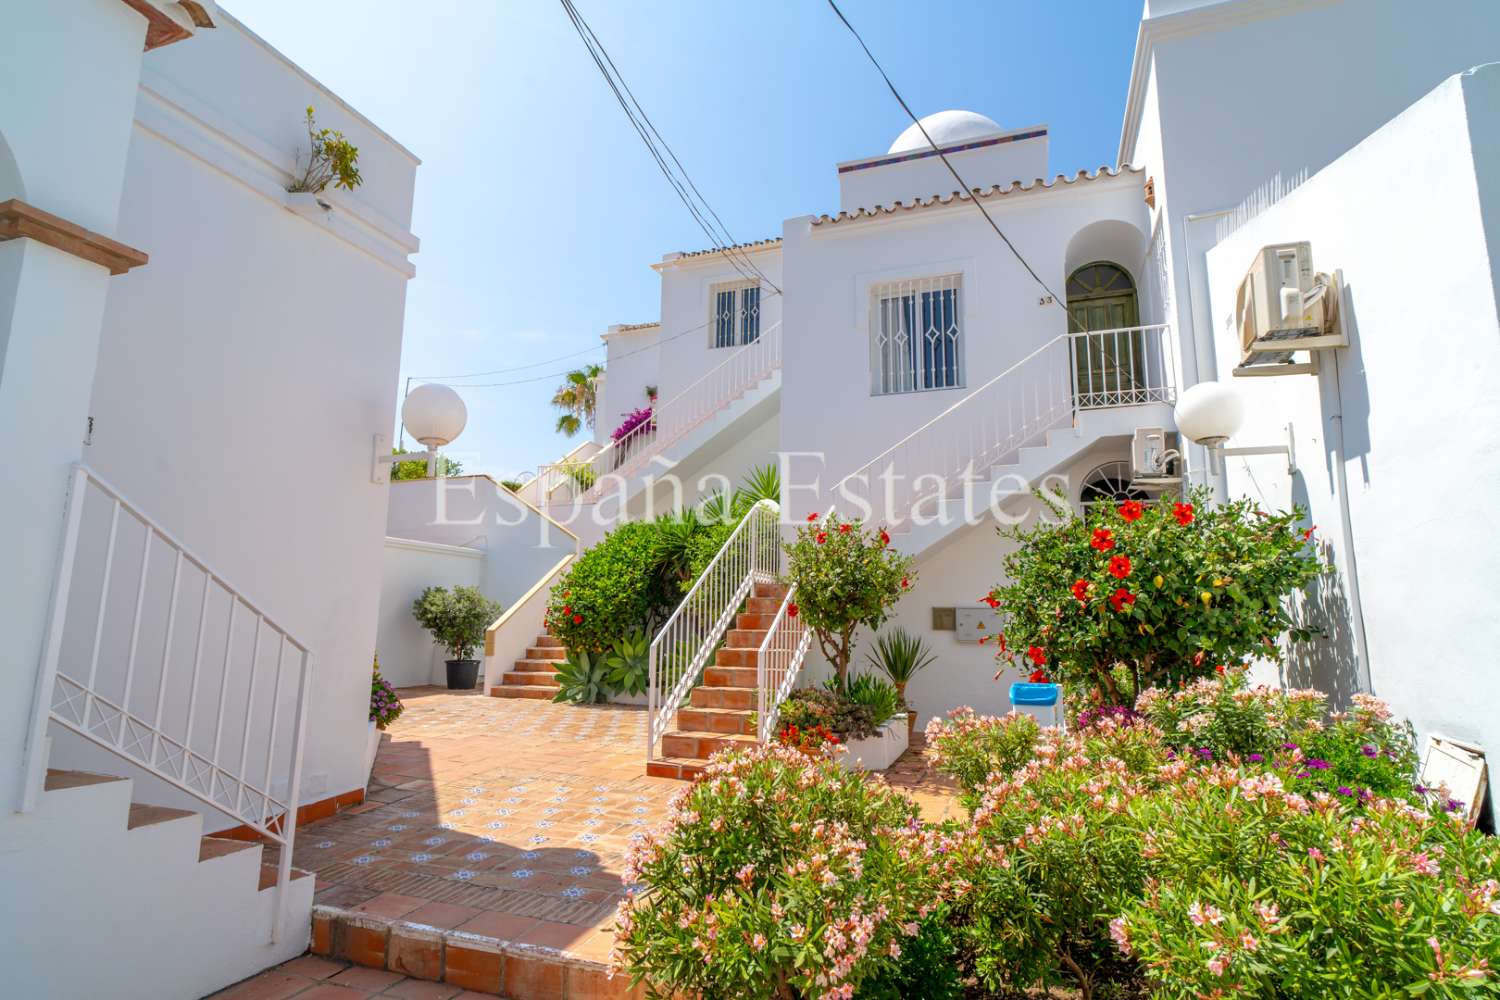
{"points": [[435, 416], [1210, 413]]}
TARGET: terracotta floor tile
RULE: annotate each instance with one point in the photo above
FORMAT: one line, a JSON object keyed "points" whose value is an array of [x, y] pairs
{"points": [[390, 904], [550, 934], [444, 915], [314, 967], [417, 989], [369, 980], [273, 985], [502, 926], [327, 991]]}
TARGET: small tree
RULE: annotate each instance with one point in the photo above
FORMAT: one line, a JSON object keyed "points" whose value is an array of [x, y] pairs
{"points": [[1168, 592], [330, 158], [846, 576], [456, 619], [417, 468]]}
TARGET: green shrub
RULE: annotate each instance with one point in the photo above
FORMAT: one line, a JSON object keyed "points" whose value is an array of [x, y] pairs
{"points": [[610, 591], [457, 619], [778, 875], [969, 747], [875, 693], [582, 679], [809, 708], [927, 969], [385, 705]]}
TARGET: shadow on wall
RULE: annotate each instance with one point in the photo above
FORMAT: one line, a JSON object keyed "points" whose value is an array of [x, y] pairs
{"points": [[1329, 662], [1353, 392]]}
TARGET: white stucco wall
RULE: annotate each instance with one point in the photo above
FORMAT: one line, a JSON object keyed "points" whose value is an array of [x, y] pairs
{"points": [[243, 373], [1420, 418], [872, 181], [827, 405], [408, 656], [631, 363]]}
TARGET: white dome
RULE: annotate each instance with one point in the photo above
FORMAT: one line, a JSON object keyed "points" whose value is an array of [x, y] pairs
{"points": [[946, 128], [434, 414]]}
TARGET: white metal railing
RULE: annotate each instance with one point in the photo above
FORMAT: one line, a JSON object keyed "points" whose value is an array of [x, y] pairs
{"points": [[778, 661], [1041, 392], [682, 647], [153, 656], [587, 479]]}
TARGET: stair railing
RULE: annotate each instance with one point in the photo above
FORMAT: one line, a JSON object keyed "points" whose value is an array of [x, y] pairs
{"points": [[682, 647], [589, 479], [1043, 391], [778, 661], [155, 657]]}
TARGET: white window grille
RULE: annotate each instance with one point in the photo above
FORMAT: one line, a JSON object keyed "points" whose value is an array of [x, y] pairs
{"points": [[735, 317], [916, 335]]}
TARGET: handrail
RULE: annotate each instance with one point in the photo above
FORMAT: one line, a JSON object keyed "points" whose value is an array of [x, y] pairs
{"points": [[1093, 369], [778, 661], [683, 644], [99, 697]]}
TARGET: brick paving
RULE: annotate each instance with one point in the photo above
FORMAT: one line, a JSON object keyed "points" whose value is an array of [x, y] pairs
{"points": [[493, 819]]}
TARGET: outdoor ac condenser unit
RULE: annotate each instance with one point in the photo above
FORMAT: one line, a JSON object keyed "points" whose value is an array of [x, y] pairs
{"points": [[1153, 464], [1284, 306]]}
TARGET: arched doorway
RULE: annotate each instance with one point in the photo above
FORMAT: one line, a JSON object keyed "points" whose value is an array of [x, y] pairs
{"points": [[1109, 364]]}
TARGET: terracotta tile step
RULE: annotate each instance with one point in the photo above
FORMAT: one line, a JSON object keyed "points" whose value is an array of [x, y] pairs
{"points": [[217, 847], [744, 638], [535, 678], [725, 676], [550, 641], [754, 621], [547, 654], [534, 691], [144, 815], [730, 657], [681, 768], [57, 780], [722, 697], [775, 590], [699, 744], [550, 666], [717, 720], [762, 606]]}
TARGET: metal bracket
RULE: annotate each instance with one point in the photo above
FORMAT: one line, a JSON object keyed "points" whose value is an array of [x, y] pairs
{"points": [[381, 459], [1289, 450]]}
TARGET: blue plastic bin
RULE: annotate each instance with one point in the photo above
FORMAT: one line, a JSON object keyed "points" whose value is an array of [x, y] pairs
{"points": [[1040, 701]]}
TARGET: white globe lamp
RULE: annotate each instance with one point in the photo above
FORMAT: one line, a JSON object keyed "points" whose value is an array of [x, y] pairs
{"points": [[434, 414], [1209, 413]]}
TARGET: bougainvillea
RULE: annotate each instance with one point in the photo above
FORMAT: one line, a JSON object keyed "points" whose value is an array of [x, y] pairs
{"points": [[1136, 595], [633, 419], [385, 705]]}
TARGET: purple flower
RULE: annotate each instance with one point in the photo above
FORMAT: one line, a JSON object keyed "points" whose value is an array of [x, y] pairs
{"points": [[1345, 790], [1453, 806], [1317, 763], [1255, 758], [1420, 789], [1288, 746], [1369, 751], [1205, 753]]}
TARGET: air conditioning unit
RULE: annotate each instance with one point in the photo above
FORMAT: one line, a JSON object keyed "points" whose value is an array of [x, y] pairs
{"points": [[1284, 306], [1153, 463]]}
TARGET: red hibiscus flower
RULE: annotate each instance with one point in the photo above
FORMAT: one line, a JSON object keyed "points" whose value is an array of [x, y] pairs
{"points": [[1081, 590], [578, 619], [884, 538], [812, 517], [1183, 512], [1001, 637], [1198, 658], [822, 537], [1219, 669], [1038, 655], [567, 609], [1119, 567], [905, 582], [1307, 535], [991, 600], [1131, 510], [791, 610], [1121, 599], [844, 529], [1039, 677], [1103, 539]]}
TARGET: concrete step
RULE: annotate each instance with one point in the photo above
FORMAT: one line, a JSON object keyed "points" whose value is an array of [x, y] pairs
{"points": [[531, 678], [533, 691], [704, 696], [724, 676], [218, 847], [144, 815], [700, 745], [733, 721], [268, 876]]}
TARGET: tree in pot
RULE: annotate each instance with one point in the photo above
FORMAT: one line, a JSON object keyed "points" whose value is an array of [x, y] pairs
{"points": [[899, 655], [457, 620]]}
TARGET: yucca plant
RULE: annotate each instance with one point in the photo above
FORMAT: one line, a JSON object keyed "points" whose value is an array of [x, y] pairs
{"points": [[582, 679]]}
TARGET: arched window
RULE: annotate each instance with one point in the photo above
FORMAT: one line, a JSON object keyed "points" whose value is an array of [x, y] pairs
{"points": [[1110, 364], [1109, 484]]}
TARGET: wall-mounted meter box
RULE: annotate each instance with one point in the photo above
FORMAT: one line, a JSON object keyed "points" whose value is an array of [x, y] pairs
{"points": [[973, 624]]}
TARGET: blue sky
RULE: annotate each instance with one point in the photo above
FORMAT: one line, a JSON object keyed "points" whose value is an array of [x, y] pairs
{"points": [[538, 208]]}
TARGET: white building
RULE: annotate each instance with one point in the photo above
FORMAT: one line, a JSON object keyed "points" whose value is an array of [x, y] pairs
{"points": [[1230, 105], [219, 354]]}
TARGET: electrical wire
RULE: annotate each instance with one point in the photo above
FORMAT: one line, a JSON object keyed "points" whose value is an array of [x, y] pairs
{"points": [[963, 185]]}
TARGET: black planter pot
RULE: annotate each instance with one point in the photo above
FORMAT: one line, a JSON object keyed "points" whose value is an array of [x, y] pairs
{"points": [[462, 674]]}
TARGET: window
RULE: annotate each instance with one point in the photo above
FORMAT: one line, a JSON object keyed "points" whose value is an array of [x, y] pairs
{"points": [[916, 336], [736, 314], [1109, 484]]}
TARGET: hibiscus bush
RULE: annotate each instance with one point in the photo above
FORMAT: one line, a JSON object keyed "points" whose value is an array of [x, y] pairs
{"points": [[847, 576], [1132, 596], [611, 590], [778, 875]]}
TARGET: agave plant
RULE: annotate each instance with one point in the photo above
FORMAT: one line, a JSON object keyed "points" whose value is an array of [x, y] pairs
{"points": [[900, 655], [629, 662], [583, 679]]}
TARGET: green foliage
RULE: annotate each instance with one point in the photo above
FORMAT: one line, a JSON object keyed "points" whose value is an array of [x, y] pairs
{"points": [[583, 679], [778, 875], [514, 485], [457, 619], [1170, 591], [969, 747], [385, 705], [809, 708], [629, 663], [846, 576], [331, 158], [900, 655], [576, 398], [927, 969], [875, 693], [610, 591], [418, 469]]}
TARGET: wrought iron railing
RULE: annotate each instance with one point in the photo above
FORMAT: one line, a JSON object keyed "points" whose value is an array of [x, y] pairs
{"points": [[153, 656], [683, 646]]}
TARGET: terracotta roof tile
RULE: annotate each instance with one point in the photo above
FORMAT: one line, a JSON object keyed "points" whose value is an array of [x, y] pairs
{"points": [[753, 245], [996, 191]]}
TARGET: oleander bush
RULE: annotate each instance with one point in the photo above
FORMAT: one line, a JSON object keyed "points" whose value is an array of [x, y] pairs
{"points": [[970, 747], [779, 875]]}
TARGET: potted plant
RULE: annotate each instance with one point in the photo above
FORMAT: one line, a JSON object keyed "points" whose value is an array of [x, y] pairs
{"points": [[899, 655], [457, 620]]}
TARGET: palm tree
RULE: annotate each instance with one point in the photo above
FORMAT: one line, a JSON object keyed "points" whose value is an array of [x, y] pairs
{"points": [[575, 397]]}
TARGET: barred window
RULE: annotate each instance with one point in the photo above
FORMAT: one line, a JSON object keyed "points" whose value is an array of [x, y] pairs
{"points": [[736, 314], [916, 336]]}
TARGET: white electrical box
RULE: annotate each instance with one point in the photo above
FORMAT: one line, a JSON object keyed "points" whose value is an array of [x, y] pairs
{"points": [[1284, 306], [973, 624]]}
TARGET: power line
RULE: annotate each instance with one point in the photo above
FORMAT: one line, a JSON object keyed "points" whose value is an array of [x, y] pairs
{"points": [[516, 368], [645, 129], [963, 186]]}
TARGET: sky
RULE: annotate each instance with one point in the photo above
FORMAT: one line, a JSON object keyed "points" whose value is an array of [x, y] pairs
{"points": [[538, 207]]}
